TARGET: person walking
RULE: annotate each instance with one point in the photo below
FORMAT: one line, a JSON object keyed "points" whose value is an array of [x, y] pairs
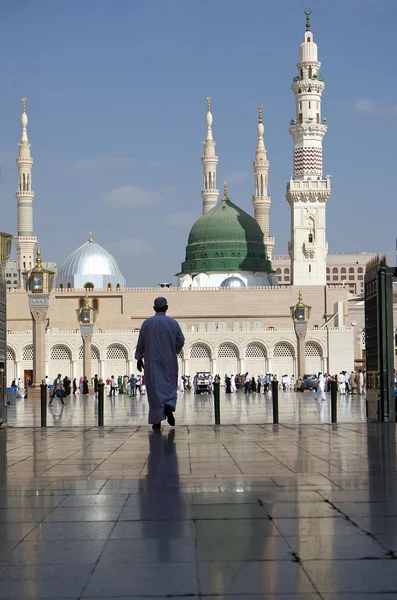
{"points": [[85, 386], [74, 386], [320, 392], [112, 386], [96, 382], [159, 343], [57, 390], [133, 381]]}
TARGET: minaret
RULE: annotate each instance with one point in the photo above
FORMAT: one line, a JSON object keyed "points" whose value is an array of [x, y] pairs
{"points": [[209, 161], [25, 241], [308, 191], [261, 201]]}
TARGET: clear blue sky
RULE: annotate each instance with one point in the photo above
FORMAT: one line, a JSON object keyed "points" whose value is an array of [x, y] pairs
{"points": [[116, 104]]}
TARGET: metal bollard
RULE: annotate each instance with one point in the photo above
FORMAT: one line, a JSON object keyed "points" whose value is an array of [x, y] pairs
{"points": [[101, 387], [275, 401], [43, 402], [217, 404], [334, 396]]}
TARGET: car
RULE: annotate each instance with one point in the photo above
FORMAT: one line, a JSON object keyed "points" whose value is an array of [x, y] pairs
{"points": [[203, 382], [309, 382]]}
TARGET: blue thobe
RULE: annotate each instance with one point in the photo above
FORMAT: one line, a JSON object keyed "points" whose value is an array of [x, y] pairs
{"points": [[160, 341]]}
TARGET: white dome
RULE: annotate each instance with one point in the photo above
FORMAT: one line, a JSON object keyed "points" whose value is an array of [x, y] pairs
{"points": [[90, 264], [233, 282]]}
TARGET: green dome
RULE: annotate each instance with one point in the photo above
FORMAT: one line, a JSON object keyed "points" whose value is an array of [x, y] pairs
{"points": [[226, 238]]}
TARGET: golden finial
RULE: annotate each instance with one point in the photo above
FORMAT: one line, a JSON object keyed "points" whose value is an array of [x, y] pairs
{"points": [[38, 260], [225, 191], [90, 237], [86, 300], [209, 103], [308, 12], [24, 104], [300, 298], [260, 108]]}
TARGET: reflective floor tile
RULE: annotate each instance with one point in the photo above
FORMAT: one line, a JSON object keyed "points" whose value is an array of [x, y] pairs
{"points": [[236, 527], [156, 530], [24, 514], [316, 526], [366, 576], [335, 547], [253, 578], [31, 501], [10, 532], [71, 531], [84, 513], [162, 550], [230, 548], [42, 581], [300, 510], [117, 580], [83, 500], [229, 511], [57, 552]]}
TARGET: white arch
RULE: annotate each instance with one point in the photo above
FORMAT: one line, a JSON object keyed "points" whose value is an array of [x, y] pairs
{"points": [[116, 343], [288, 343], [202, 344], [232, 343], [61, 345], [259, 343], [318, 344]]}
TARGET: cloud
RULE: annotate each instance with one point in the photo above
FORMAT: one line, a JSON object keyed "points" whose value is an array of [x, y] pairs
{"points": [[131, 196], [367, 105], [181, 219], [130, 247], [156, 164], [237, 176], [104, 163]]}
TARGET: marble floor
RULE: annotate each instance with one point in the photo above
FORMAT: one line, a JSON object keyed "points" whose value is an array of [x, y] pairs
{"points": [[192, 410], [288, 512]]}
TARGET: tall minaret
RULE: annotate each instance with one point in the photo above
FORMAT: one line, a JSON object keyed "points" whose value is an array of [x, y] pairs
{"points": [[25, 241], [261, 200], [308, 191], [209, 161]]}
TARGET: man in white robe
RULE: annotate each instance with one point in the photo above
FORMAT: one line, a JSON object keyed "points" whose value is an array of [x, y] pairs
{"points": [[320, 393], [160, 341]]}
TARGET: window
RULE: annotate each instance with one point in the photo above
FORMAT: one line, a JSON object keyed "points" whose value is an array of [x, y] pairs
{"points": [[318, 117], [310, 238], [69, 286], [27, 353], [360, 270], [109, 287], [351, 277], [88, 286], [310, 104], [278, 271], [282, 350], [335, 277], [286, 271], [328, 277], [351, 269], [300, 105], [328, 271], [310, 268], [116, 352], [255, 350], [61, 287], [60, 353], [200, 351], [95, 304], [312, 349], [227, 350], [81, 302], [300, 118], [343, 270], [335, 270]]}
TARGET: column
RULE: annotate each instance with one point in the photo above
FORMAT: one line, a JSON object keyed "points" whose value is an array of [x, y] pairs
{"points": [[102, 373], [213, 366], [18, 373], [300, 338], [86, 330], [241, 365], [74, 369], [38, 304], [130, 367]]}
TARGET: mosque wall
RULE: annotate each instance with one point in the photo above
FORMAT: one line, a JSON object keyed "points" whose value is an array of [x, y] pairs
{"points": [[224, 351]]}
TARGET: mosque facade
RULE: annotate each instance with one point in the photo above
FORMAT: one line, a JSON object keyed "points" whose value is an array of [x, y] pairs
{"points": [[234, 297]]}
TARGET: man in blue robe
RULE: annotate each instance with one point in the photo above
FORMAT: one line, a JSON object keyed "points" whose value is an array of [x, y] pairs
{"points": [[160, 341]]}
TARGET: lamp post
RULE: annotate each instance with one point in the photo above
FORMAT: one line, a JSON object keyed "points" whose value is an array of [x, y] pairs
{"points": [[86, 315], [300, 315], [5, 249], [38, 284]]}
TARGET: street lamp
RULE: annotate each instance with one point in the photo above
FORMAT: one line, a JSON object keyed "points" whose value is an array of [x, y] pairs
{"points": [[38, 281], [300, 315], [5, 250], [86, 316]]}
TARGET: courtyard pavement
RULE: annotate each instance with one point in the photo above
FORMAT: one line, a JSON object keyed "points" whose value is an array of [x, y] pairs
{"points": [[191, 410], [297, 512]]}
